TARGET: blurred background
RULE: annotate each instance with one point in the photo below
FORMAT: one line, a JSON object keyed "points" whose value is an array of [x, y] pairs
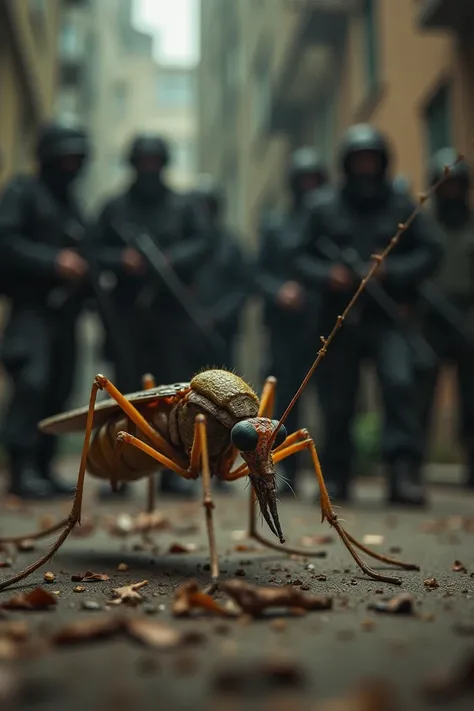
{"points": [[236, 85]]}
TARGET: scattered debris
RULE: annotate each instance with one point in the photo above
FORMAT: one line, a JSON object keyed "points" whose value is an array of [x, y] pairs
{"points": [[399, 605], [180, 548], [431, 583], [79, 588], [150, 633], [26, 545], [89, 577], [128, 594], [459, 567], [49, 577], [122, 567], [124, 524], [254, 599], [37, 599], [189, 597]]}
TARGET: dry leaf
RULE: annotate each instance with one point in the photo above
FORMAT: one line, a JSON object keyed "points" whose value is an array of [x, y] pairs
{"points": [[88, 630], [153, 634], [179, 548], [37, 599], [254, 599], [89, 577], [400, 605], [128, 594], [189, 597]]}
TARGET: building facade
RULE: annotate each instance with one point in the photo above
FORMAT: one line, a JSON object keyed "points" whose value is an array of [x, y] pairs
{"points": [[28, 66], [111, 83], [277, 74]]}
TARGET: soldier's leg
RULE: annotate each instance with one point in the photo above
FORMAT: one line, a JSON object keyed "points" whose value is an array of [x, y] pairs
{"points": [[62, 371], [465, 377], [337, 383], [26, 360], [402, 434]]}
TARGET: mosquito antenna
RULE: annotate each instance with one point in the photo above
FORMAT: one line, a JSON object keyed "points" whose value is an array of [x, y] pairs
{"points": [[378, 259]]}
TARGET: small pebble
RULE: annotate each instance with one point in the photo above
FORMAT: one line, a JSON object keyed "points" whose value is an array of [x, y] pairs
{"points": [[150, 609], [49, 577], [122, 567], [90, 605], [79, 588]]}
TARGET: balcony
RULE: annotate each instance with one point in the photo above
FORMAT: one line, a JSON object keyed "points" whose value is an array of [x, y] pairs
{"points": [[320, 31], [457, 15]]}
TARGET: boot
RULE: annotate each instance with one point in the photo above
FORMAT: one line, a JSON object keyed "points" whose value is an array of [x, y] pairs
{"points": [[405, 483], [45, 455], [25, 481], [172, 484]]}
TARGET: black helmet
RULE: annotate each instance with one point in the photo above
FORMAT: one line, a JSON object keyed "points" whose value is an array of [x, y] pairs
{"points": [[448, 157], [306, 161], [363, 137], [58, 140], [148, 145]]}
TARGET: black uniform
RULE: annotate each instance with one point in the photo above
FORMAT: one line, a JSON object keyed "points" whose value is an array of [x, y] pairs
{"points": [[222, 284], [157, 327], [293, 332], [455, 285], [37, 215], [362, 214]]}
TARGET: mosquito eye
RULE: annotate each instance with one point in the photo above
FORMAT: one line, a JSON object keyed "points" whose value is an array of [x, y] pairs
{"points": [[281, 435], [244, 436]]}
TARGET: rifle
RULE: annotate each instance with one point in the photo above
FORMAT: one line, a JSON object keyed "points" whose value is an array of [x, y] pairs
{"points": [[349, 257], [435, 298], [60, 296], [139, 239]]}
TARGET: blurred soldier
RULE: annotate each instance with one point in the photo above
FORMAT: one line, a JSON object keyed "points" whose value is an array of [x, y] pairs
{"points": [[154, 321], [361, 215], [289, 309], [224, 282], [47, 286], [451, 209]]}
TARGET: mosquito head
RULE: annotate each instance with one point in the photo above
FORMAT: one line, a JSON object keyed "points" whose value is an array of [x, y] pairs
{"points": [[253, 439]]}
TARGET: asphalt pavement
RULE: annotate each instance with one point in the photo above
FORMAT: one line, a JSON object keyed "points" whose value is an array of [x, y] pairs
{"points": [[297, 661]]}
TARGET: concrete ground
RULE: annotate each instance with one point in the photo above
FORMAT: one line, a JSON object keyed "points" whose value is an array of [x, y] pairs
{"points": [[293, 662]]}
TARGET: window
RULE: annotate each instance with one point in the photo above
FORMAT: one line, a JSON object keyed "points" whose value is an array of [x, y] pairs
{"points": [[120, 96], [370, 44], [184, 156], [438, 121], [175, 90]]}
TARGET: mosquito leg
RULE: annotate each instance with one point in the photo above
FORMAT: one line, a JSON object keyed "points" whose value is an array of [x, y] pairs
{"points": [[75, 515], [199, 463], [328, 514]]}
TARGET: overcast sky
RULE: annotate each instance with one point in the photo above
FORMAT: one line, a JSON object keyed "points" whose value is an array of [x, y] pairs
{"points": [[177, 24]]}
